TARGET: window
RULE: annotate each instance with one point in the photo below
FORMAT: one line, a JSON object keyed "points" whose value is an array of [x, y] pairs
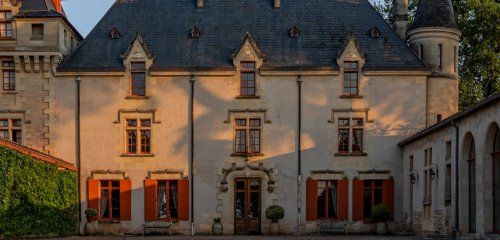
{"points": [[11, 129], [66, 43], [427, 183], [37, 31], [110, 200], [447, 159], [372, 196], [247, 87], [9, 76], [344, 131], [138, 74], [6, 24], [247, 137], [421, 51], [327, 202], [455, 59], [440, 56], [138, 129], [351, 78], [343, 135], [167, 200]]}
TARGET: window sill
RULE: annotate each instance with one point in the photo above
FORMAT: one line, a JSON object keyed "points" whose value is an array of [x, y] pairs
{"points": [[351, 154], [109, 221], [247, 154], [7, 38], [137, 155], [247, 97], [5, 92], [350, 96], [36, 38], [136, 97]]}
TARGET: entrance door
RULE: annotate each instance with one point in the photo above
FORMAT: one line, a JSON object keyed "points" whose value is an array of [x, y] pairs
{"points": [[496, 192], [247, 204]]}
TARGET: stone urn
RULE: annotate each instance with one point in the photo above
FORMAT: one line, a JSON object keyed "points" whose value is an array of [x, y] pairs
{"points": [[217, 228], [274, 228], [91, 226]]}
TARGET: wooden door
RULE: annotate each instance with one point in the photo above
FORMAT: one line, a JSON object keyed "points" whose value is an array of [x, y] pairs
{"points": [[247, 206]]}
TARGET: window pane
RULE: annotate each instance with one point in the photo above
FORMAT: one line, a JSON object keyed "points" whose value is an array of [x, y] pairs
{"points": [[132, 141], [162, 200], [332, 199], [131, 123], [145, 141], [105, 213], [343, 139], [115, 203], [240, 141], [115, 184], [254, 122], [145, 123], [357, 140], [138, 66], [241, 122], [16, 122], [344, 122], [357, 122], [239, 205], [16, 136], [367, 203], [173, 200], [321, 203], [4, 134], [4, 123], [255, 141]]}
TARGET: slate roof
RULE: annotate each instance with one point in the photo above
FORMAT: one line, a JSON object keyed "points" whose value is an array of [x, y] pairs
{"points": [[435, 13], [324, 25], [37, 5]]}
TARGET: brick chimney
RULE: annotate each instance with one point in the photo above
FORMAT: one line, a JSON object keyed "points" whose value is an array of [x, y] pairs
{"points": [[57, 4], [199, 3], [400, 17]]}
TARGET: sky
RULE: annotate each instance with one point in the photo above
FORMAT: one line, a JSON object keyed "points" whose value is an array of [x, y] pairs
{"points": [[85, 14]]}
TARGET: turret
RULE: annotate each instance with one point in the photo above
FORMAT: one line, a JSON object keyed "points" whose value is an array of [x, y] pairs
{"points": [[434, 36], [400, 17]]}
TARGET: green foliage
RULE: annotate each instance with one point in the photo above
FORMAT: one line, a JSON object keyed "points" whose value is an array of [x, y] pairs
{"points": [[90, 213], [217, 220], [380, 213], [35, 198], [479, 65], [275, 213]]}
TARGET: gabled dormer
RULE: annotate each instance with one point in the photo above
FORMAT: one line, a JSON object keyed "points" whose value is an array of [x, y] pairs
{"points": [[351, 61], [137, 60], [247, 60]]}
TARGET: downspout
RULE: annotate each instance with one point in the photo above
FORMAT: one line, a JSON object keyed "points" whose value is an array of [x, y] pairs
{"points": [[299, 153], [191, 151], [78, 145], [457, 167]]}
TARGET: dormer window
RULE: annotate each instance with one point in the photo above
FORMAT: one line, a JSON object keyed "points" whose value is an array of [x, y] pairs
{"points": [[138, 78], [6, 24], [375, 33], [37, 31], [351, 78], [294, 32], [194, 32], [247, 83], [115, 34]]}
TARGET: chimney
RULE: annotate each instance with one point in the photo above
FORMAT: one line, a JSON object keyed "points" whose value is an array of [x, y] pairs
{"points": [[277, 3], [400, 17], [57, 5], [199, 3]]}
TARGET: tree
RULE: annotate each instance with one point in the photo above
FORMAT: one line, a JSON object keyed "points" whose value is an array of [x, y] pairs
{"points": [[479, 21]]}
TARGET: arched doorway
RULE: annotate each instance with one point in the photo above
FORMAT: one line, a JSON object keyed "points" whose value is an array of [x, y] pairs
{"points": [[469, 154], [495, 154]]}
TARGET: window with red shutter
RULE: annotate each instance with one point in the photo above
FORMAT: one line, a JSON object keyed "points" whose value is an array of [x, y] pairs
{"points": [[150, 190], [388, 194], [357, 200], [343, 199], [311, 200], [93, 187], [125, 200], [183, 200]]}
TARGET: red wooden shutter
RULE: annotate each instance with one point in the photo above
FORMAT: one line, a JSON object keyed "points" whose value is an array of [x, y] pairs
{"points": [[343, 199], [357, 200], [150, 192], [388, 194], [125, 199], [183, 195], [311, 200], [93, 189]]}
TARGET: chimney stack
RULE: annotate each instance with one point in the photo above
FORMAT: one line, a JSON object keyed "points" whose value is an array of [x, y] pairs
{"points": [[400, 17], [277, 3], [199, 3], [57, 5]]}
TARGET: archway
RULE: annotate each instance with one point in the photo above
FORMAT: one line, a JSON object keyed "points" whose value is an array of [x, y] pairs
{"points": [[469, 171], [492, 176]]}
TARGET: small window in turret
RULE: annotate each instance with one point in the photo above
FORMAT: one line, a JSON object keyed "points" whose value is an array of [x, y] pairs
{"points": [[37, 31]]}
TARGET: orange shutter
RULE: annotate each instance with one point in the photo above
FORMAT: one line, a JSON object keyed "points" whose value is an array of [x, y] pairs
{"points": [[183, 187], [388, 195], [343, 199], [357, 200], [311, 200], [150, 192], [93, 188], [125, 199]]}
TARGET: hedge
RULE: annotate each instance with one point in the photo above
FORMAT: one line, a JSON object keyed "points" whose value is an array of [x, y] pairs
{"points": [[36, 199]]}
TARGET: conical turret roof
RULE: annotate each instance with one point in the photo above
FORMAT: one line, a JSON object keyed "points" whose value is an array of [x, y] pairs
{"points": [[434, 13]]}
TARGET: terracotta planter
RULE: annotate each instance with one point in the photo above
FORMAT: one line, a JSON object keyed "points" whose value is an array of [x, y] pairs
{"points": [[274, 228], [381, 228], [217, 228], [91, 228]]}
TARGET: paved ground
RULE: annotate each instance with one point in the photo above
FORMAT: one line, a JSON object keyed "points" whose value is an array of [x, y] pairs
{"points": [[349, 237]]}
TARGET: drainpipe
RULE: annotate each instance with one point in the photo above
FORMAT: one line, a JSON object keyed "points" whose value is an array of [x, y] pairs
{"points": [[78, 145], [456, 229], [191, 151], [299, 153]]}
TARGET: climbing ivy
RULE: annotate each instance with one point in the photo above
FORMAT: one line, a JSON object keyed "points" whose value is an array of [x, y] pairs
{"points": [[36, 199]]}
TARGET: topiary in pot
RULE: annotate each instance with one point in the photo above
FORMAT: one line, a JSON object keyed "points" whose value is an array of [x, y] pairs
{"points": [[217, 228], [90, 214], [274, 213], [380, 215], [91, 225]]}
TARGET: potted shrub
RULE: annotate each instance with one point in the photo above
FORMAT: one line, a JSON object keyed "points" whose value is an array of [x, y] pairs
{"points": [[380, 215], [274, 213], [217, 228], [91, 224]]}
